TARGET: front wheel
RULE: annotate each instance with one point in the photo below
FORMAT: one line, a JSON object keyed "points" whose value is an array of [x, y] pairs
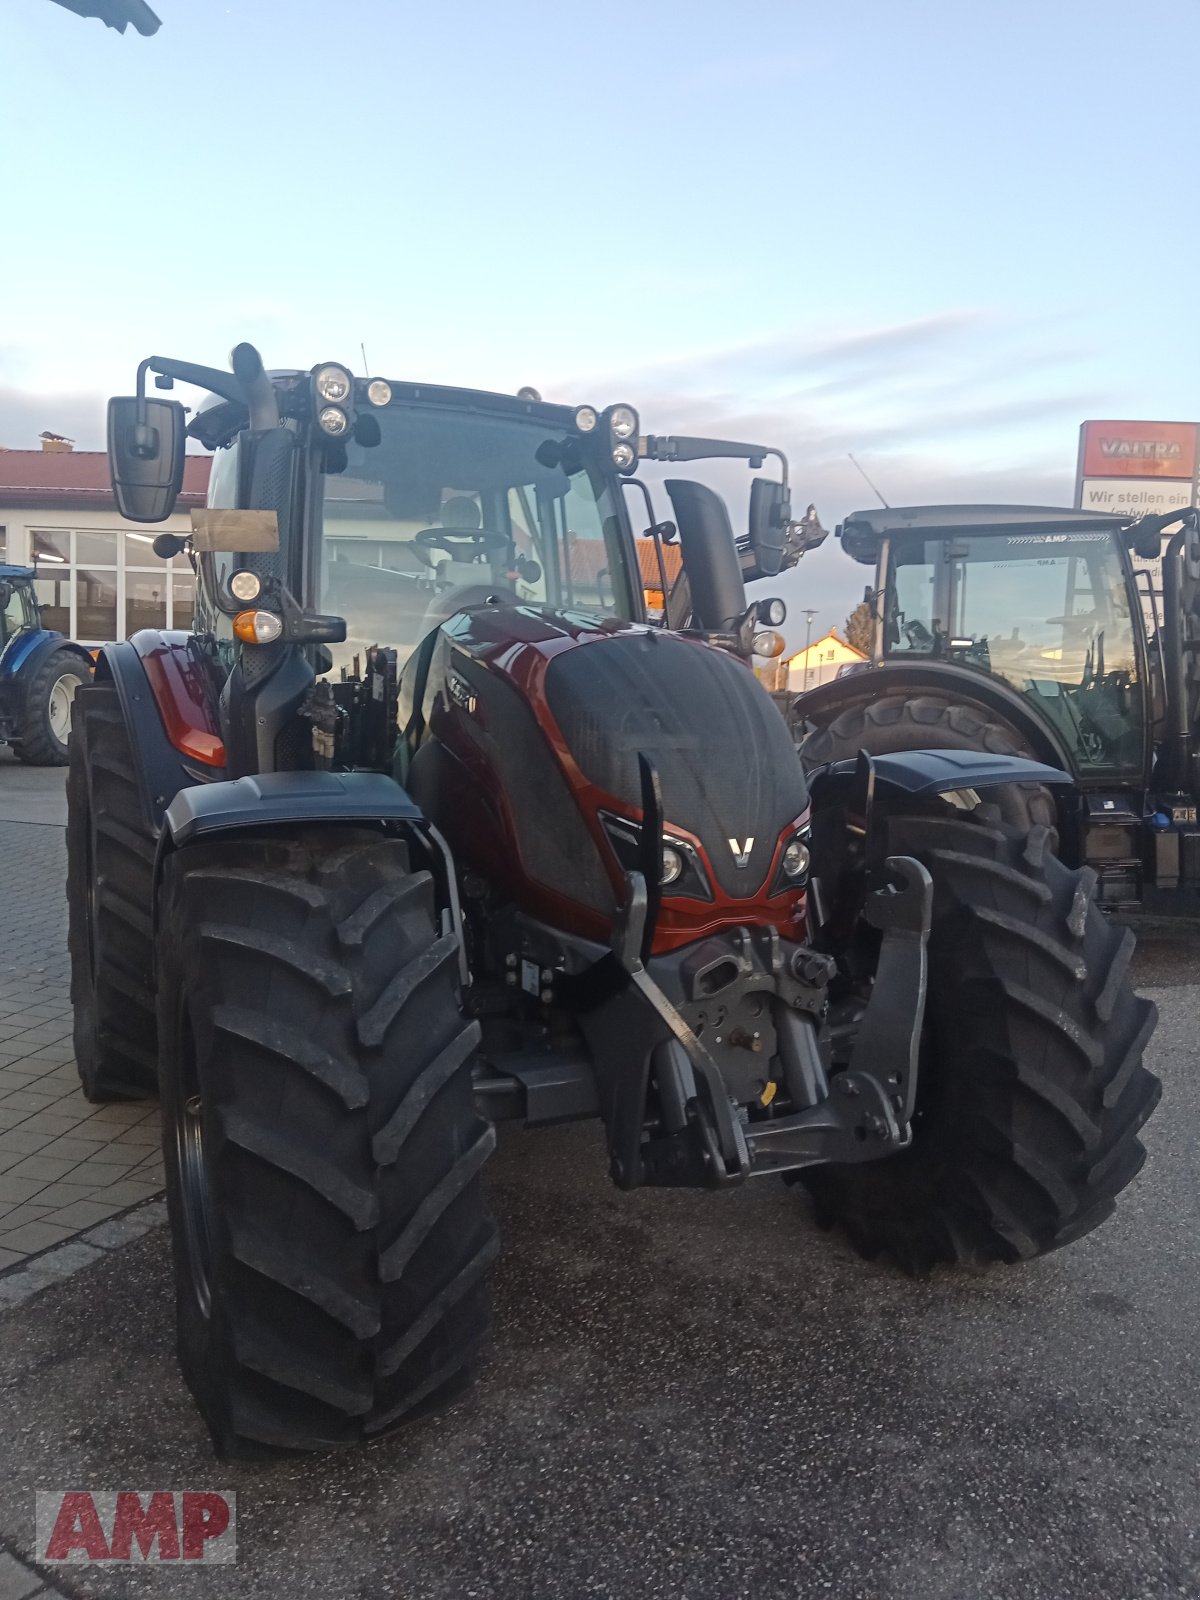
{"points": [[1031, 1089], [322, 1148], [44, 729]]}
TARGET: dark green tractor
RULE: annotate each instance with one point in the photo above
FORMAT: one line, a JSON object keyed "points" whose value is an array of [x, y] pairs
{"points": [[1031, 630]]}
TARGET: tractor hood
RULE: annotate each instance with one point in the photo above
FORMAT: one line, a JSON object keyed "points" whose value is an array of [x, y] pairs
{"points": [[604, 691], [729, 771]]}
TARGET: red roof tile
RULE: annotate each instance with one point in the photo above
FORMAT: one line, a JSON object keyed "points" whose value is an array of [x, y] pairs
{"points": [[79, 478]]}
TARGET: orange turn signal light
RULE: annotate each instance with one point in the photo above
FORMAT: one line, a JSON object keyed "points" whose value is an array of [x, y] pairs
{"points": [[769, 644], [257, 627]]}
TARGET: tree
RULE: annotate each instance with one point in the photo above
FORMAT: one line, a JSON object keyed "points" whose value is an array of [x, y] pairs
{"points": [[860, 628]]}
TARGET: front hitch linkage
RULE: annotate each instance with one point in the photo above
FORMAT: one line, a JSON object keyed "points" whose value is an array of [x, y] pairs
{"points": [[869, 1108]]}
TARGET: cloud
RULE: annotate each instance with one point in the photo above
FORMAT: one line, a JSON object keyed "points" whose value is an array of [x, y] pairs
{"points": [[963, 406]]}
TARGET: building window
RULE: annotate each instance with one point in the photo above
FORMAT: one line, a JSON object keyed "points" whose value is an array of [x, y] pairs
{"points": [[183, 595], [145, 600], [99, 584]]}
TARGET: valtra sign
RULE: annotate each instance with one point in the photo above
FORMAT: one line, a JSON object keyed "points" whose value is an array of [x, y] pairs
{"points": [[1138, 450], [1135, 469]]}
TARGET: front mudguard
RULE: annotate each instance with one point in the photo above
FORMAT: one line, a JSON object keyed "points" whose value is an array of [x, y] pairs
{"points": [[910, 775], [272, 800]]}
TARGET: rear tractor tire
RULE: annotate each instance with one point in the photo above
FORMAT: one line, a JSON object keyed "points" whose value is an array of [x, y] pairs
{"points": [[323, 1152], [44, 730], [928, 722], [1031, 1089], [110, 897]]}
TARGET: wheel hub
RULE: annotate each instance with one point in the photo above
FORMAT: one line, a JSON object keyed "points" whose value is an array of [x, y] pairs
{"points": [[62, 701]]}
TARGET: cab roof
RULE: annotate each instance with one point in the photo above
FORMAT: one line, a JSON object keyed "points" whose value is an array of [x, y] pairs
{"points": [[863, 531]]}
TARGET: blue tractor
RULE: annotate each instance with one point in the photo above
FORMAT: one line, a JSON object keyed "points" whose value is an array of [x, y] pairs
{"points": [[40, 671]]}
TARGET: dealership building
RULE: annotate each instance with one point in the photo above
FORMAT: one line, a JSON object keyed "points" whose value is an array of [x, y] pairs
{"points": [[98, 577]]}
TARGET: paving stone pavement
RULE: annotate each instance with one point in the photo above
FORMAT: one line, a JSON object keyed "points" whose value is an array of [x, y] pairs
{"points": [[65, 1165]]}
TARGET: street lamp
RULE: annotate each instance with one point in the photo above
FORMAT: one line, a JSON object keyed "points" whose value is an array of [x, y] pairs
{"points": [[808, 615]]}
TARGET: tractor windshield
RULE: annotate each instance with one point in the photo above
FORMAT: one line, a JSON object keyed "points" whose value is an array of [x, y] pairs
{"points": [[1049, 614], [455, 505]]}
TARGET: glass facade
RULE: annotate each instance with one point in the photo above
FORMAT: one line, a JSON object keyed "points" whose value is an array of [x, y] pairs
{"points": [[97, 584]]}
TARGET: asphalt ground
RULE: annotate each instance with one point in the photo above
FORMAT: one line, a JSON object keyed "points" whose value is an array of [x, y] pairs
{"points": [[697, 1396]]}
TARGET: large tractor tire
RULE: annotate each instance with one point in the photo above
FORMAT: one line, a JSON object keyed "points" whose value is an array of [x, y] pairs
{"points": [[323, 1152], [928, 722], [1031, 1089], [43, 737], [110, 896]]}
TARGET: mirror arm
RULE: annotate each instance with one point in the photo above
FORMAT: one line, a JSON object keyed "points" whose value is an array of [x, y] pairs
{"points": [[226, 384], [681, 447], [783, 466]]}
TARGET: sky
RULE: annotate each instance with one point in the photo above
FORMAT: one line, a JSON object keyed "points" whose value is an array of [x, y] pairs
{"points": [[934, 235]]}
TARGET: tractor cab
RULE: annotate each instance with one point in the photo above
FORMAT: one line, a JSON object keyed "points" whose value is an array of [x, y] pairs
{"points": [[467, 500], [1039, 598], [356, 517], [1040, 629]]}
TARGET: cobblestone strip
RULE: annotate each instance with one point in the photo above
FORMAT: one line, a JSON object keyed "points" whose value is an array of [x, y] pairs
{"points": [[18, 1283], [21, 1581], [65, 1165]]}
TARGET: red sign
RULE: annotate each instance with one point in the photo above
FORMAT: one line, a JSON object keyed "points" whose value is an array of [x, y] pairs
{"points": [[131, 1527], [1138, 449]]}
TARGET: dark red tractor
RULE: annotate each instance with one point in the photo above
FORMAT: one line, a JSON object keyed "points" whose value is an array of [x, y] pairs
{"points": [[424, 826]]}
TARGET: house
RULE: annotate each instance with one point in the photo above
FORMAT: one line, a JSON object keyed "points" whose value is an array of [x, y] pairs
{"points": [[98, 577], [820, 662]]}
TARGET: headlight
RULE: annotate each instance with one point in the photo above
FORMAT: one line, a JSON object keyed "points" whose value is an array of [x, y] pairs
{"points": [[624, 457], [332, 384], [257, 627], [333, 421], [379, 392], [772, 612], [245, 586], [796, 859], [586, 418], [623, 422], [682, 873]]}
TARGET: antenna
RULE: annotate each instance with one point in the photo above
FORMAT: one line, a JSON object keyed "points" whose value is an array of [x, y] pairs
{"points": [[366, 368], [869, 484]]}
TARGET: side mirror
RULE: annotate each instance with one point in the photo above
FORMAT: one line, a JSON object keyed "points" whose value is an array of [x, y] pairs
{"points": [[770, 514], [146, 446]]}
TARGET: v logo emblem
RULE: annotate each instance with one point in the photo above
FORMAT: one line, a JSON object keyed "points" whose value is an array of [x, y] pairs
{"points": [[741, 852]]}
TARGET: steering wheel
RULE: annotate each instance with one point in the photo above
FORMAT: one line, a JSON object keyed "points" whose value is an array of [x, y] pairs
{"points": [[452, 540]]}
